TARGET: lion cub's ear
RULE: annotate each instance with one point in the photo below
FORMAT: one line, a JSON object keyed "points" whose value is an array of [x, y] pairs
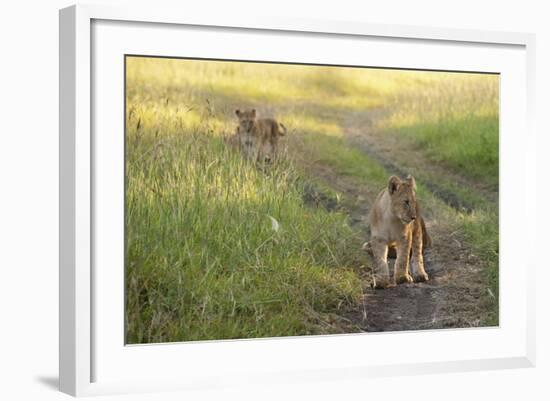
{"points": [[411, 181], [238, 112], [393, 184], [253, 113]]}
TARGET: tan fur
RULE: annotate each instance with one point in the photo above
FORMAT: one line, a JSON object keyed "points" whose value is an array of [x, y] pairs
{"points": [[395, 221], [259, 137]]}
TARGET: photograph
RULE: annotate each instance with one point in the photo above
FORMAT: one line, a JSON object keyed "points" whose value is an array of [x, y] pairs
{"points": [[267, 199]]}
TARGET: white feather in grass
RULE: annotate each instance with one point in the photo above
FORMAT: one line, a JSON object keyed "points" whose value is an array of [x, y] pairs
{"points": [[274, 224]]}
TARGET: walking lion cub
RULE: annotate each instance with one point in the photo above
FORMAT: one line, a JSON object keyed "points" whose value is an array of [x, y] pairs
{"points": [[395, 221], [259, 137]]}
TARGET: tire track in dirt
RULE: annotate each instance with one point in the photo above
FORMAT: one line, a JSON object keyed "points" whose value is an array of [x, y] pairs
{"points": [[449, 197], [384, 149]]}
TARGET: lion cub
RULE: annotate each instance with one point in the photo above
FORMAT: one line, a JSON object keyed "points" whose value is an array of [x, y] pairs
{"points": [[259, 137], [395, 221]]}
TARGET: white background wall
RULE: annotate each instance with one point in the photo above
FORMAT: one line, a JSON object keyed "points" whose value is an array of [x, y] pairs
{"points": [[29, 187]]}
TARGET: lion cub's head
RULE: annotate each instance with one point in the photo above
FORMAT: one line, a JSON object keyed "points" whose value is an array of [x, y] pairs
{"points": [[246, 119], [403, 198]]}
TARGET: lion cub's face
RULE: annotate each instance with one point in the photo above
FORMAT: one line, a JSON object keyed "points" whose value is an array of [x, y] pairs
{"points": [[403, 198], [246, 119]]}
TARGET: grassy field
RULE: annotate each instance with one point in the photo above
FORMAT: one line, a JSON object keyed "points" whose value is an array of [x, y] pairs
{"points": [[453, 119], [218, 247]]}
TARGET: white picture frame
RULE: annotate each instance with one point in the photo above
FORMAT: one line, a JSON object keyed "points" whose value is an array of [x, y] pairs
{"points": [[78, 370]]}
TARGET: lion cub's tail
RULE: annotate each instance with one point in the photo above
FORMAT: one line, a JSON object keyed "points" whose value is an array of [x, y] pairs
{"points": [[282, 130], [426, 239]]}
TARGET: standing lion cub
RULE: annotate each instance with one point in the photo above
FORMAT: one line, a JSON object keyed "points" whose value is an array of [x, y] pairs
{"points": [[259, 137], [395, 221]]}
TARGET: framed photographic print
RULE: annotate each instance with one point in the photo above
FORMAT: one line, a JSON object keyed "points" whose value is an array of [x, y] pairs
{"points": [[278, 200]]}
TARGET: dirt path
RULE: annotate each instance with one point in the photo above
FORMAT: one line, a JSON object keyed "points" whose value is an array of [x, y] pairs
{"points": [[456, 294]]}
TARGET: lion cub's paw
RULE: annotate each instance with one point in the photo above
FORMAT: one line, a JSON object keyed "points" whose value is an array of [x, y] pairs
{"points": [[421, 277], [381, 283], [404, 278]]}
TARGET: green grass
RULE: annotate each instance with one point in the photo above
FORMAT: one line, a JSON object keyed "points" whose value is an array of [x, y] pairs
{"points": [[452, 119], [203, 260]]}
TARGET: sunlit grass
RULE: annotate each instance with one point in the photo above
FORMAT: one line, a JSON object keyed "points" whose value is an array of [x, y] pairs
{"points": [[277, 84], [203, 258], [451, 118], [305, 122]]}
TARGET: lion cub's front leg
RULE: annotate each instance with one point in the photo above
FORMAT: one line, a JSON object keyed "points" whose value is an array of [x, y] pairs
{"points": [[402, 267], [417, 258], [382, 271]]}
